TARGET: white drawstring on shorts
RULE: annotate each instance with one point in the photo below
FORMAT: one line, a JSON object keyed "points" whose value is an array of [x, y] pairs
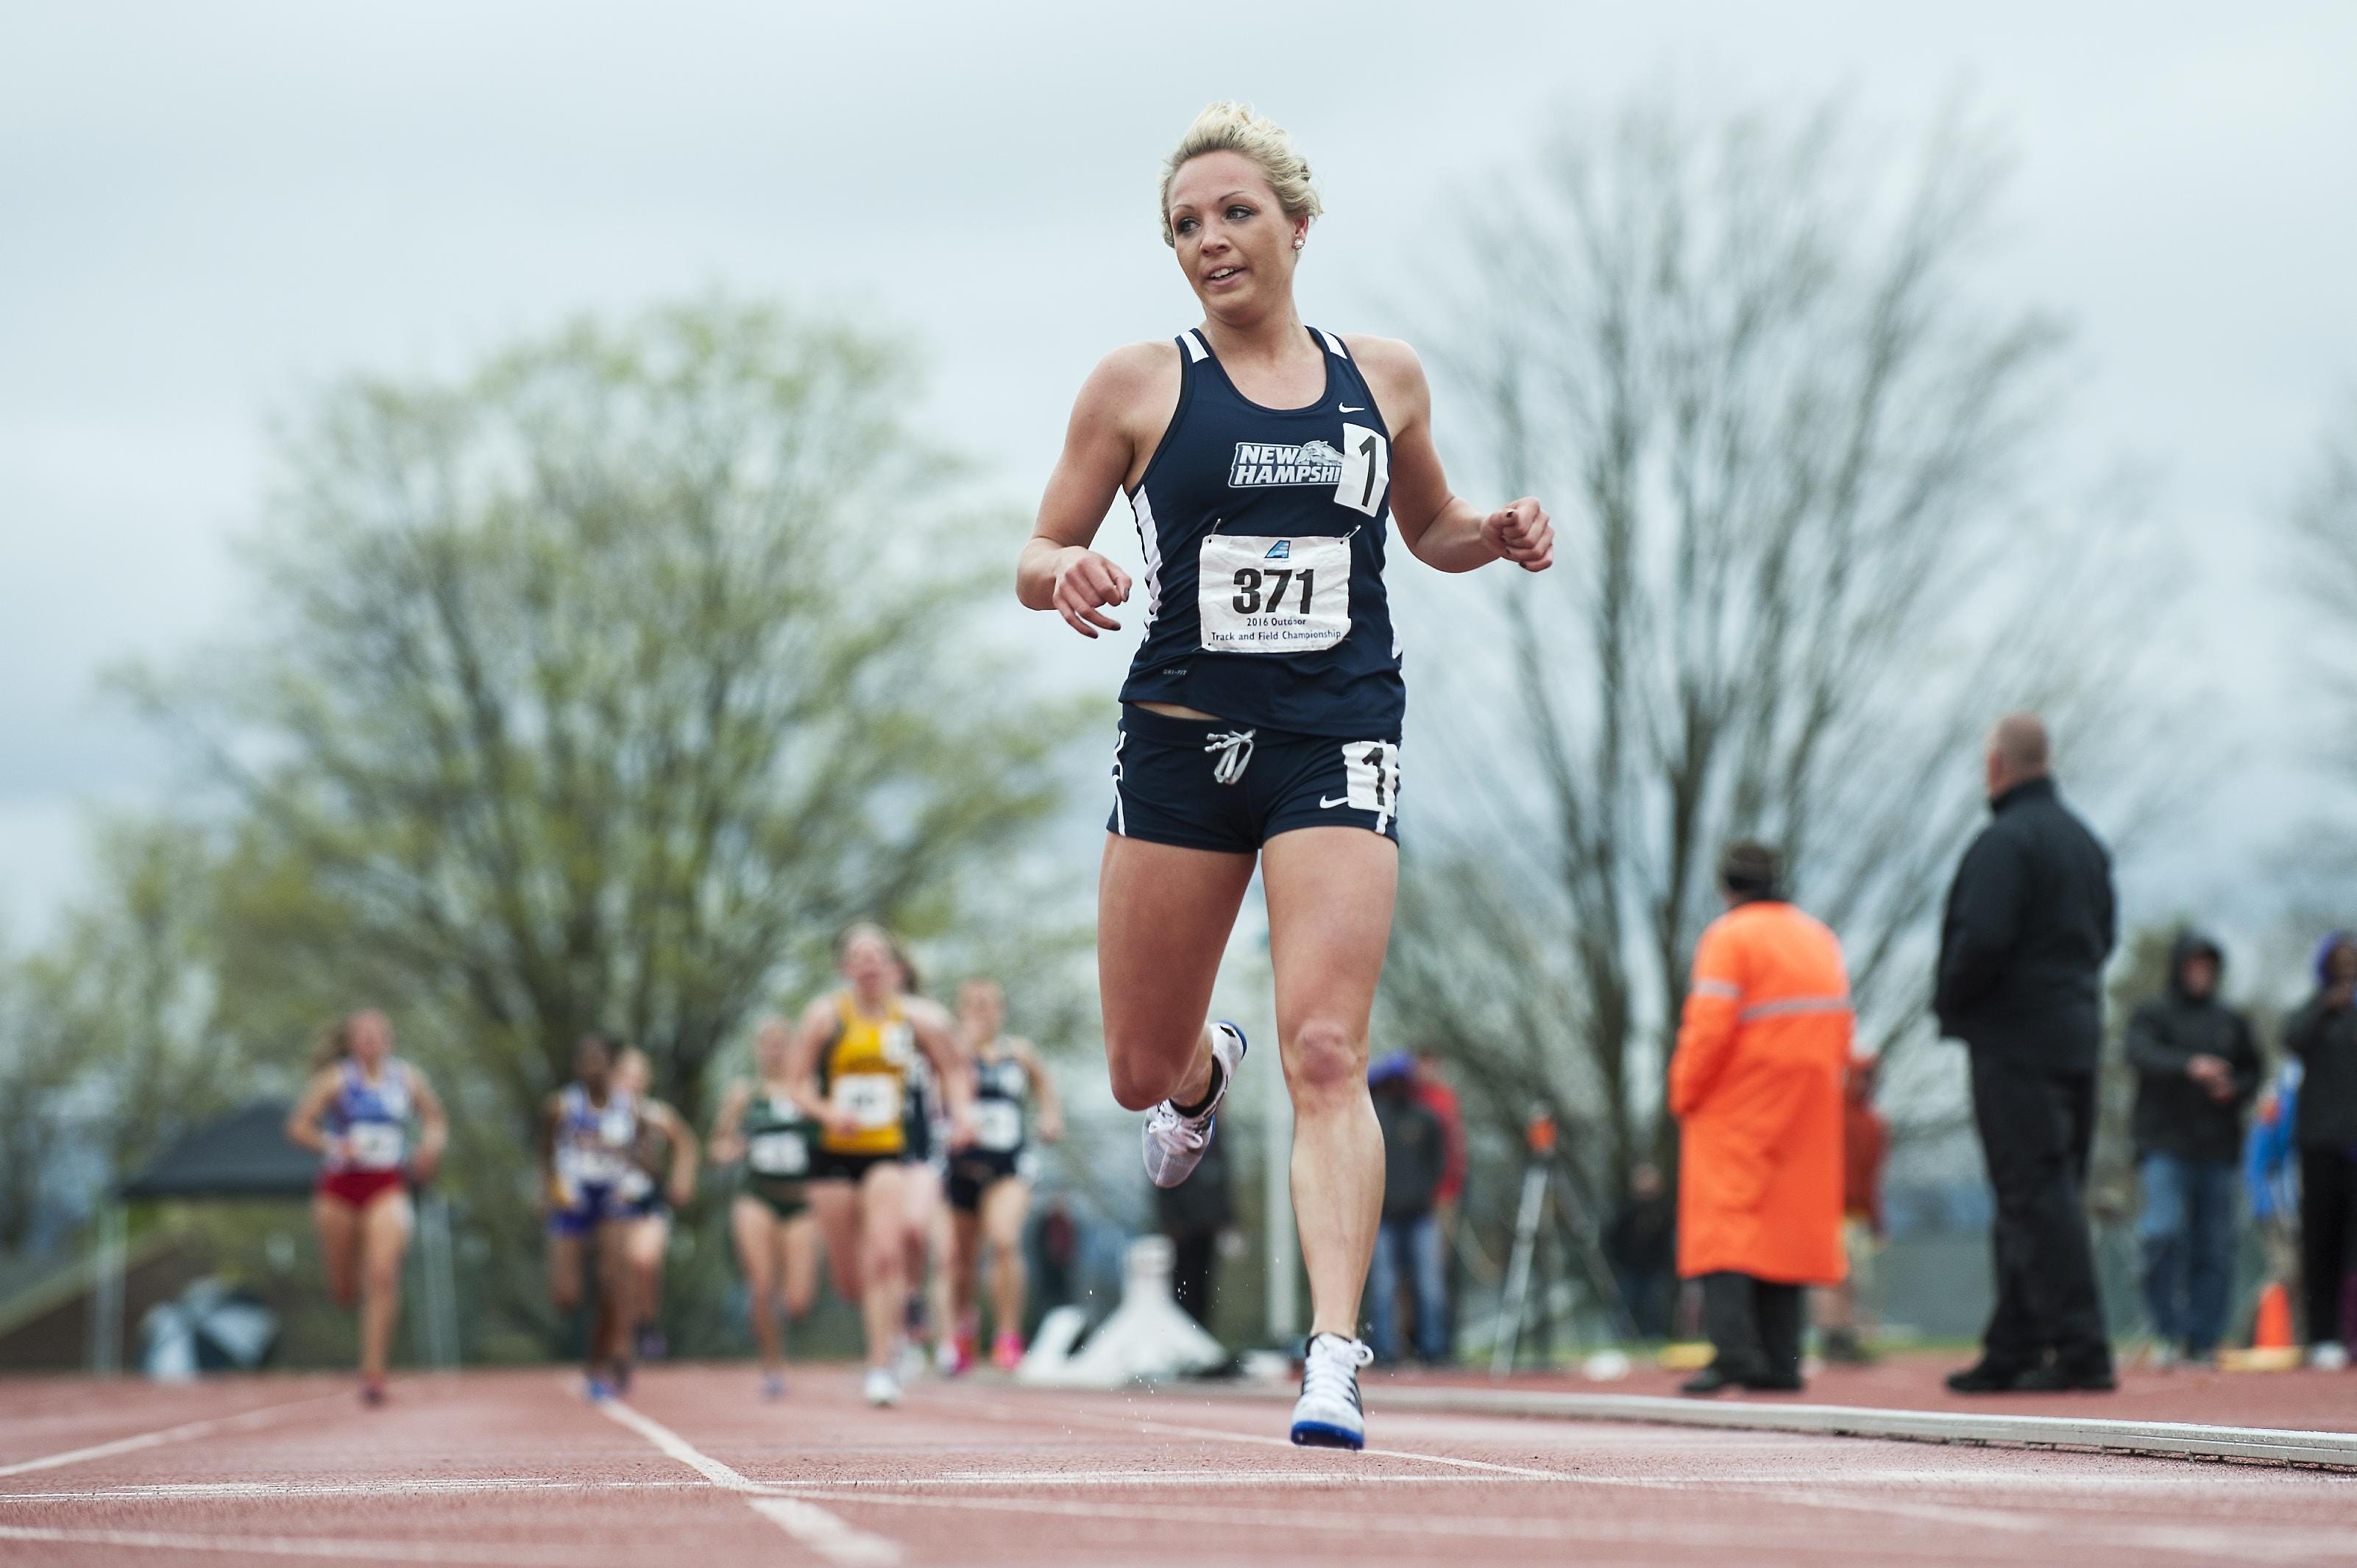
{"points": [[1235, 749]]}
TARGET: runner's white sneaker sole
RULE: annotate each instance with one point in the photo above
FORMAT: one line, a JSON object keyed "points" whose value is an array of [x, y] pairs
{"points": [[1175, 1143], [1328, 1416], [881, 1388], [1328, 1426]]}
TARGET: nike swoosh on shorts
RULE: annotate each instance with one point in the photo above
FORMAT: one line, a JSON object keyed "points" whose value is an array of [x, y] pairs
{"points": [[1324, 804]]}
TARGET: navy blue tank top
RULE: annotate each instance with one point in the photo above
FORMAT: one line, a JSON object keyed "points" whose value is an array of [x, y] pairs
{"points": [[1264, 533]]}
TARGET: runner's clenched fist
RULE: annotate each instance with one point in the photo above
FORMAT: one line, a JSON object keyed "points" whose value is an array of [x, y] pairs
{"points": [[1521, 533]]}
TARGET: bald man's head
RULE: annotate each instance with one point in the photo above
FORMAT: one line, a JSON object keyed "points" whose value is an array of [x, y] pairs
{"points": [[2018, 751]]}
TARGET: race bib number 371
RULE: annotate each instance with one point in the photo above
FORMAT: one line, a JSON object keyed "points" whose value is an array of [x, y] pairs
{"points": [[1259, 595]]}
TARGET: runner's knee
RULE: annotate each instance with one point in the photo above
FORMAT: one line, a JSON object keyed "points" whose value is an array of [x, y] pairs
{"points": [[1327, 1063], [1137, 1087]]}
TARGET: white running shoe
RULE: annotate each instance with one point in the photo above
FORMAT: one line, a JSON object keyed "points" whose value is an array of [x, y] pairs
{"points": [[1326, 1415], [881, 1388], [2327, 1356], [1175, 1143]]}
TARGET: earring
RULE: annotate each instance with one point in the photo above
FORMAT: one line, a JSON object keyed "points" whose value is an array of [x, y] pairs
{"points": [[1296, 244]]}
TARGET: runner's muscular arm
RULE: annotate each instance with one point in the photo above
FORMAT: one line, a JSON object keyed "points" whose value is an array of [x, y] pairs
{"points": [[726, 1146], [433, 1128], [811, 1032], [1050, 1119], [1058, 570], [548, 1114], [936, 1034], [1441, 529], [303, 1121], [685, 1155]]}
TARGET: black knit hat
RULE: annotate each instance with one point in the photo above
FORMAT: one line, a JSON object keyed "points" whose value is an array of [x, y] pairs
{"points": [[1751, 869]]}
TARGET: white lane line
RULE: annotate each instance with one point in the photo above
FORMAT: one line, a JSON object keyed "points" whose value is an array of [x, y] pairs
{"points": [[2226, 1543], [491, 1553], [828, 1535], [2238, 1479], [1143, 1425], [1555, 1530], [180, 1433], [1158, 1478], [676, 1447], [262, 1491]]}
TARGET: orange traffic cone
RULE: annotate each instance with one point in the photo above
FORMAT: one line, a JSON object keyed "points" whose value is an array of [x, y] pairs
{"points": [[2272, 1331]]}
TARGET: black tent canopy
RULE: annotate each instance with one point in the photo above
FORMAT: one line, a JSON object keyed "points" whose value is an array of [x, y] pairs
{"points": [[247, 1154], [243, 1154]]}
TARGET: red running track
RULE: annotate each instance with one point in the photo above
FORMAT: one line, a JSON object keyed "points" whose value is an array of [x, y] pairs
{"points": [[513, 1468]]}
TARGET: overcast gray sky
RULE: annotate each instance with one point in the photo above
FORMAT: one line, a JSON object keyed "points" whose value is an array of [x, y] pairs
{"points": [[205, 209]]}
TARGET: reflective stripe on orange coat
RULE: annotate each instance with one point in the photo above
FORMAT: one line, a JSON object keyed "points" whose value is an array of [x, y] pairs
{"points": [[1756, 1085]]}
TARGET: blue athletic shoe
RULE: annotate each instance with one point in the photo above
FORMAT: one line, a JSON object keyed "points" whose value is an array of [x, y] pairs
{"points": [[1328, 1416], [598, 1390], [1174, 1143]]}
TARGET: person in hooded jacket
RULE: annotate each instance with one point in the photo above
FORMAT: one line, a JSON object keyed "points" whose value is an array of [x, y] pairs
{"points": [[1415, 1164], [2323, 1035], [2196, 1069]]}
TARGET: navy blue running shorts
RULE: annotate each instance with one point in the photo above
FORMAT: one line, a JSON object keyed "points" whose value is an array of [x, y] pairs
{"points": [[1209, 784]]}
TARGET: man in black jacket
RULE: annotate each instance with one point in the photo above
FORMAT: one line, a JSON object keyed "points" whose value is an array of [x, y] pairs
{"points": [[2030, 920], [2197, 1070], [2323, 1035]]}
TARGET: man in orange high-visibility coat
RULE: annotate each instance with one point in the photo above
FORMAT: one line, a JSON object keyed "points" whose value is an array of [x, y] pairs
{"points": [[1756, 1085]]}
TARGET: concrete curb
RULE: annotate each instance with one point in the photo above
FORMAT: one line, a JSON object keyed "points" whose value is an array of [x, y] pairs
{"points": [[2184, 1440]]}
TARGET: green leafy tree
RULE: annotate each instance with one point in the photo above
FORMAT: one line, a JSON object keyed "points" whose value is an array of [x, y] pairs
{"points": [[113, 1037], [39, 1067], [597, 687], [602, 682]]}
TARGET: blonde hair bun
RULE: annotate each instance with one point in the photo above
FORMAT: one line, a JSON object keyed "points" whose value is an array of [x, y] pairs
{"points": [[1228, 127]]}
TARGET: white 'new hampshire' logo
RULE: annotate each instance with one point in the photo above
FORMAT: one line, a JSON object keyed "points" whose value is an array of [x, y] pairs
{"points": [[1259, 464]]}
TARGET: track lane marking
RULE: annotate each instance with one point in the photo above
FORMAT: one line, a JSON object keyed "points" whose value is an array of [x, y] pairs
{"points": [[1148, 1426], [675, 1446], [156, 1439], [492, 1554], [262, 1491], [2293, 1546], [828, 1535], [1553, 1528], [1156, 1479]]}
